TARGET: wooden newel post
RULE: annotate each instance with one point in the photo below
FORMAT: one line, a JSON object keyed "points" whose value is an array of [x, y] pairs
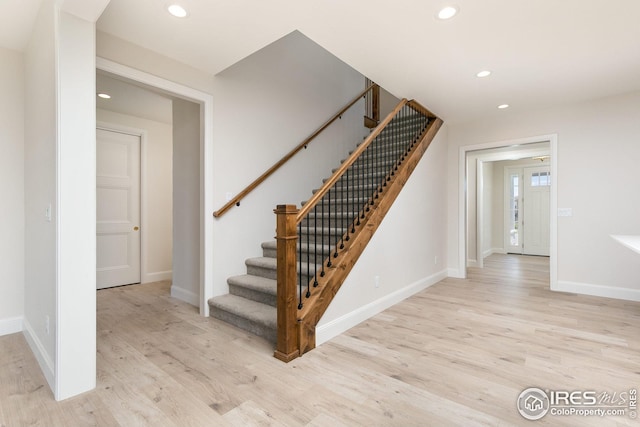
{"points": [[375, 101], [287, 347]]}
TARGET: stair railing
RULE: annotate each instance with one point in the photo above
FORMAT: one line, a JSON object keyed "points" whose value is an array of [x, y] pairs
{"points": [[249, 188], [371, 105], [312, 240]]}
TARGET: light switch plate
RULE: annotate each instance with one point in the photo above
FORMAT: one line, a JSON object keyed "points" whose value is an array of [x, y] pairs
{"points": [[565, 212]]}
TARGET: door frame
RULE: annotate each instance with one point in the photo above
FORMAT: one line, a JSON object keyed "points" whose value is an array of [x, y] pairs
{"points": [[142, 134], [462, 199], [205, 101], [522, 151], [508, 172], [526, 184]]}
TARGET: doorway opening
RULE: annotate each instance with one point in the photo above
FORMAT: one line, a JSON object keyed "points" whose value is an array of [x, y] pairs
{"points": [[485, 224], [189, 172]]}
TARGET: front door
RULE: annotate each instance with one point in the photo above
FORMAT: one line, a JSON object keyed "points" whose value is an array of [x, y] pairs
{"points": [[535, 215], [118, 208]]}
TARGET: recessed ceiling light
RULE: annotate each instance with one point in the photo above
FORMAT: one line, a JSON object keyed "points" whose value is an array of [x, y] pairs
{"points": [[503, 106], [177, 10], [484, 73], [447, 12], [104, 95]]}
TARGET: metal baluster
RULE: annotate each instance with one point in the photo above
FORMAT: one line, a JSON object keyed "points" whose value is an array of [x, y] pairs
{"points": [[343, 213], [351, 221], [300, 272], [315, 244], [394, 139], [375, 150], [328, 195], [380, 164], [322, 241], [360, 191], [308, 257], [336, 220]]}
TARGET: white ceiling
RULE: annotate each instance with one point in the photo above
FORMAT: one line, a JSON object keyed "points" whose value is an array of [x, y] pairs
{"points": [[132, 99], [16, 22], [542, 52]]}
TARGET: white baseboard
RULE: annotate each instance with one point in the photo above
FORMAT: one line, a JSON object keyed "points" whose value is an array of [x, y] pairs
{"points": [[472, 263], [597, 290], [157, 276], [455, 273], [337, 326], [44, 360], [186, 296], [492, 251], [11, 325]]}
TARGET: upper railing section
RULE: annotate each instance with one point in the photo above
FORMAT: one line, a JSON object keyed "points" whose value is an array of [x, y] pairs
{"points": [[319, 243], [236, 200]]}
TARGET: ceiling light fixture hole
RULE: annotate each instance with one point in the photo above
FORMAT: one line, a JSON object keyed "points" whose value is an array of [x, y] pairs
{"points": [[447, 12], [177, 10]]}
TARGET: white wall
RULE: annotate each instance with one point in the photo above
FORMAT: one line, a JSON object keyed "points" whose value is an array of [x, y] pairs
{"points": [[11, 191], [156, 194], [40, 190], [265, 105], [497, 208], [407, 252], [388, 102], [76, 192], [597, 159], [60, 172], [488, 193], [186, 201], [132, 55]]}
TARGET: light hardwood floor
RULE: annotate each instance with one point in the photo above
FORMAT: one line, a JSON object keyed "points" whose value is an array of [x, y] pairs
{"points": [[458, 353]]}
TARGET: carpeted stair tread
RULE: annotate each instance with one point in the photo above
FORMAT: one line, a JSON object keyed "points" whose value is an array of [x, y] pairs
{"points": [[255, 288], [268, 267], [272, 247], [252, 316]]}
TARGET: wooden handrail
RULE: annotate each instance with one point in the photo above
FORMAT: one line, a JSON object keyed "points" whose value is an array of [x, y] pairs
{"points": [[236, 200], [294, 338], [419, 107], [343, 168]]}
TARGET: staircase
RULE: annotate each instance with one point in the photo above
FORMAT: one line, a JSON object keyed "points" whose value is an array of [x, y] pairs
{"points": [[251, 302]]}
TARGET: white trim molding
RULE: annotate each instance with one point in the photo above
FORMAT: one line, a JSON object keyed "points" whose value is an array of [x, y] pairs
{"points": [[462, 197], [336, 327], [184, 295], [38, 350], [11, 325], [454, 273], [206, 164], [627, 294], [157, 276]]}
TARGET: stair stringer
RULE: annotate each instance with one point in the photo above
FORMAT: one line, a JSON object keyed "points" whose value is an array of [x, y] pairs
{"points": [[322, 295]]}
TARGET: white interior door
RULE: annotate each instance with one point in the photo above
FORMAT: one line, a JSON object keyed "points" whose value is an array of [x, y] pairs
{"points": [[535, 215], [118, 209]]}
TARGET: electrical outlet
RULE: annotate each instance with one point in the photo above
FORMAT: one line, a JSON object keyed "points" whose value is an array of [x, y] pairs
{"points": [[435, 260], [47, 328], [376, 281], [47, 213], [228, 195]]}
